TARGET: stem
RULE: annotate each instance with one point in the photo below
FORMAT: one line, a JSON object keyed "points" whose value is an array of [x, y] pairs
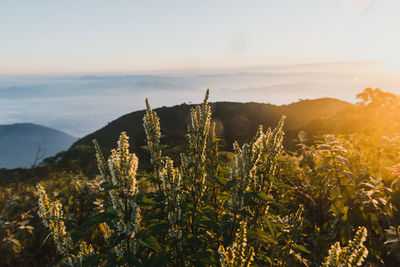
{"points": [[128, 247], [335, 168]]}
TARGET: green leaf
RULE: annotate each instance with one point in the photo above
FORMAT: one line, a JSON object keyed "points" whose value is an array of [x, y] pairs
{"points": [[221, 180], [76, 235], [117, 238], [209, 224], [206, 257], [180, 148], [264, 258], [347, 174], [162, 147], [142, 199], [158, 228], [342, 160], [194, 242], [324, 147], [150, 241], [259, 195], [260, 236], [98, 218], [230, 184], [302, 248]]}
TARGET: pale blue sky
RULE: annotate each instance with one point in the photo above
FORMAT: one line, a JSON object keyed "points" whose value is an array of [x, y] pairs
{"points": [[89, 36]]}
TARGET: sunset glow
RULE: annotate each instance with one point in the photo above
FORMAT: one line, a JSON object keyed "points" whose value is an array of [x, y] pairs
{"points": [[120, 36]]}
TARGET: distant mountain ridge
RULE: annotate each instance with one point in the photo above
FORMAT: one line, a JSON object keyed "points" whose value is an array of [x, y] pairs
{"points": [[234, 121], [20, 143]]}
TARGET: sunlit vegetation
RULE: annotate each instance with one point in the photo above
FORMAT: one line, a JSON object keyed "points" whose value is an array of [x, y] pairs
{"points": [[329, 200]]}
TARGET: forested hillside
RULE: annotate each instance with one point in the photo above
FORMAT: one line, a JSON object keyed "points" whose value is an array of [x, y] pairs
{"points": [[234, 121]]}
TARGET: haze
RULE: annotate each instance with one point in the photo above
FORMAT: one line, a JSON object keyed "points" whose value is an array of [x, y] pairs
{"points": [[76, 65]]}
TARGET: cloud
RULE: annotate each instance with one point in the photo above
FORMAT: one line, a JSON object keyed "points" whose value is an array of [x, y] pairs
{"points": [[82, 104]]}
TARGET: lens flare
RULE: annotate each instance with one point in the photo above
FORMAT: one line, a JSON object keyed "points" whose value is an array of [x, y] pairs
{"points": [[355, 7]]}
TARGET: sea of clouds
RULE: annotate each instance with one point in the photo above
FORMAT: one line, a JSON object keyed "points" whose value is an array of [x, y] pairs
{"points": [[80, 104]]}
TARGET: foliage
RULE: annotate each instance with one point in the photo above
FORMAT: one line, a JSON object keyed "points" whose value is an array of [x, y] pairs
{"points": [[196, 205], [237, 254], [351, 255], [25, 240]]}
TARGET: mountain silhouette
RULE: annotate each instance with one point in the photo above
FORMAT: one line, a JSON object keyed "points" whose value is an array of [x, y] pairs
{"points": [[25, 144]]}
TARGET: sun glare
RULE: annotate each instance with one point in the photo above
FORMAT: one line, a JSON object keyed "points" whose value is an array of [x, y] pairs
{"points": [[355, 7]]}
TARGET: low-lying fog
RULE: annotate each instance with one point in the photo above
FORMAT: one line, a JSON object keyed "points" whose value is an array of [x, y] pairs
{"points": [[81, 104]]}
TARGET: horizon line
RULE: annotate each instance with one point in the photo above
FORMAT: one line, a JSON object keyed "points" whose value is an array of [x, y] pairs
{"points": [[218, 69]]}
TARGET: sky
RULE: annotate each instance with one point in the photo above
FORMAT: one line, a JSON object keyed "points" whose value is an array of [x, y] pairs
{"points": [[77, 65], [102, 36]]}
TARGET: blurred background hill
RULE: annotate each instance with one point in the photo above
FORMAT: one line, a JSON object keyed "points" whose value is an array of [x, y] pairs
{"points": [[25, 144]]}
